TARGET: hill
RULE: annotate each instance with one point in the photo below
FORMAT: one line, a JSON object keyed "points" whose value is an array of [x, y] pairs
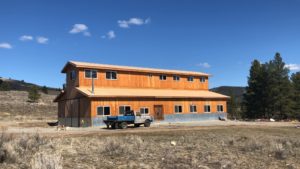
{"points": [[21, 85], [236, 91]]}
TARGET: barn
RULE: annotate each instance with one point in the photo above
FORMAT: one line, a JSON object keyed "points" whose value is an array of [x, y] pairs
{"points": [[94, 91]]}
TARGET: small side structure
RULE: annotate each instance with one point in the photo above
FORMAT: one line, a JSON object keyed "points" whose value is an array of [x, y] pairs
{"points": [[94, 91]]}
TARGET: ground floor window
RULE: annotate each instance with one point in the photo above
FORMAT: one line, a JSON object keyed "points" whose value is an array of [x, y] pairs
{"points": [[103, 110], [193, 108], [144, 110], [178, 109], [220, 108], [207, 108], [123, 109]]}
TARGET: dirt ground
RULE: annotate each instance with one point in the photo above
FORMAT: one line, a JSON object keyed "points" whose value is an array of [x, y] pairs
{"points": [[211, 144]]}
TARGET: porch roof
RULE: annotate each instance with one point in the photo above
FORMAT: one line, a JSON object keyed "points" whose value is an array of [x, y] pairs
{"points": [[149, 93]]}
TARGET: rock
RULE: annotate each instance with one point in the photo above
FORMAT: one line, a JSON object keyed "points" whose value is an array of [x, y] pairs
{"points": [[272, 120], [173, 143]]}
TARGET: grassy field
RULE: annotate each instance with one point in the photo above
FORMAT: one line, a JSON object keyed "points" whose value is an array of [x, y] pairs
{"points": [[209, 147]]}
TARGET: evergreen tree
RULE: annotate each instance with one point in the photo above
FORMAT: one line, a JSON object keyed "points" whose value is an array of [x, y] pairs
{"points": [[278, 89], [296, 94], [251, 101], [232, 107], [33, 94], [45, 89]]}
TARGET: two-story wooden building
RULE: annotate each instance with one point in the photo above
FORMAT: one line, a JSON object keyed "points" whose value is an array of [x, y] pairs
{"points": [[93, 91]]}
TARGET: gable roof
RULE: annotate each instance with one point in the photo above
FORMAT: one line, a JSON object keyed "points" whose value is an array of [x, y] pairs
{"points": [[129, 68], [149, 93]]}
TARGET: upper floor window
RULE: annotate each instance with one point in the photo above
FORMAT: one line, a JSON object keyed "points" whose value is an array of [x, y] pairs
{"points": [[178, 109], [103, 111], [162, 77], [176, 78], [193, 108], [72, 75], [202, 79], [111, 75], [220, 108], [206, 108], [190, 78], [124, 109], [89, 73], [144, 110]]}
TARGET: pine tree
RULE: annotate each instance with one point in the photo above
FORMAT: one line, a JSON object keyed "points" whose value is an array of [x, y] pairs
{"points": [[33, 94], [232, 107], [296, 95], [278, 89], [251, 101]]}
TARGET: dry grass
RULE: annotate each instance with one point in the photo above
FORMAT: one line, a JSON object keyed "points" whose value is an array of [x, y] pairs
{"points": [[14, 105], [28, 151], [220, 148]]}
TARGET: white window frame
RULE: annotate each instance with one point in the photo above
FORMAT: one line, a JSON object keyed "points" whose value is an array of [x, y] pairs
{"points": [[111, 71], [164, 79], [91, 74], [201, 79], [209, 108], [124, 110], [195, 111], [218, 108], [144, 110], [103, 111], [175, 109], [192, 78], [176, 78]]}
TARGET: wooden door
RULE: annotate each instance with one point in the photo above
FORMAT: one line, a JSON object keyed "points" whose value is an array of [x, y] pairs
{"points": [[158, 112]]}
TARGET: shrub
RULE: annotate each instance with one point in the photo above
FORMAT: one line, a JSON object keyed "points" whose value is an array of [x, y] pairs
{"points": [[33, 94]]}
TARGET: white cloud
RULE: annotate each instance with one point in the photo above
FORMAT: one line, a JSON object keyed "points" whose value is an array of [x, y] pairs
{"points": [[133, 21], [294, 67], [42, 40], [26, 38], [111, 34], [5, 45], [204, 65], [80, 28]]}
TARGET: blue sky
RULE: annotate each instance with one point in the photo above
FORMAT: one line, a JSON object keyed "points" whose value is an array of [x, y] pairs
{"points": [[215, 36]]}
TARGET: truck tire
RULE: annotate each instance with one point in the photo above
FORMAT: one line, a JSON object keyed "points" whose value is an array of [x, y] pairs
{"points": [[123, 125], [147, 123]]}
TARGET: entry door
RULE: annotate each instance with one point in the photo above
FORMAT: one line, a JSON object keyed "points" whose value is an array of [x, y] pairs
{"points": [[158, 112]]}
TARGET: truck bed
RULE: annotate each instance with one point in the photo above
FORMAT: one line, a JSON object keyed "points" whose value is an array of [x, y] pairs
{"points": [[120, 118]]}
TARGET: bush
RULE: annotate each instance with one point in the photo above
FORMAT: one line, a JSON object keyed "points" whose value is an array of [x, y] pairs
{"points": [[33, 94]]}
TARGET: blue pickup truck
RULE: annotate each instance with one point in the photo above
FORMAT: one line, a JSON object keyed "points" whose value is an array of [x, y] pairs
{"points": [[129, 117]]}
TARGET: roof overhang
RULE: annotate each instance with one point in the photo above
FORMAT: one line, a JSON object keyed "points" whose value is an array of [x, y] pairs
{"points": [[149, 93], [129, 68]]}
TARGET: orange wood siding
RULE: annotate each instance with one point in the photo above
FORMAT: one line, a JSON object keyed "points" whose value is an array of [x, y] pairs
{"points": [[142, 80], [168, 105]]}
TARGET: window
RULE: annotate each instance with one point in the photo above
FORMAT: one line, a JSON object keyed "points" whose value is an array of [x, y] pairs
{"points": [[103, 111], [72, 75], [190, 78], [90, 73], [111, 75], [220, 108], [178, 109], [123, 109], [193, 108], [176, 78], [202, 79], [207, 108], [162, 77], [144, 110]]}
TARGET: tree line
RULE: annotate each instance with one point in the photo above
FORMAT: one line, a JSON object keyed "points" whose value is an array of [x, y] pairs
{"points": [[271, 92]]}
